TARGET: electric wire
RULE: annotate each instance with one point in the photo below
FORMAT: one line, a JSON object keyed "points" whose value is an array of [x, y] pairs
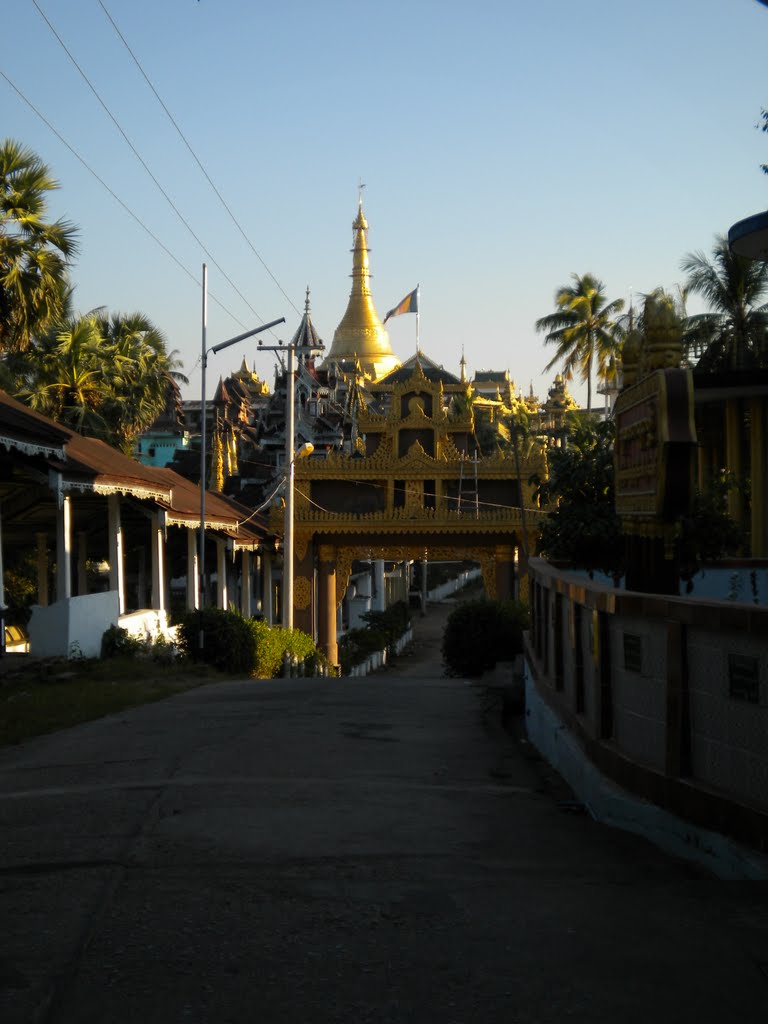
{"points": [[115, 196], [143, 163], [448, 497], [186, 142]]}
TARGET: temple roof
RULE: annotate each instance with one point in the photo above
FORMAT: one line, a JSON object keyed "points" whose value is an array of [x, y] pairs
{"points": [[306, 335], [492, 376], [431, 370]]}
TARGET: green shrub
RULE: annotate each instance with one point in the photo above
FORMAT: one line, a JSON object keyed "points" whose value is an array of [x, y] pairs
{"points": [[274, 642], [229, 641], [380, 633], [391, 623], [117, 642], [480, 633]]}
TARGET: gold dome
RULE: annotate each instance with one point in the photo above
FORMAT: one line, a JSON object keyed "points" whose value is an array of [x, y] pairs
{"points": [[361, 335]]}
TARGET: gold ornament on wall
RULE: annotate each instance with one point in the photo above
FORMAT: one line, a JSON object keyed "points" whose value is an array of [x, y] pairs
{"points": [[302, 592]]}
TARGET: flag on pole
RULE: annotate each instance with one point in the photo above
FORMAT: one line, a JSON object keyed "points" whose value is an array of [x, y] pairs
{"points": [[410, 304]]}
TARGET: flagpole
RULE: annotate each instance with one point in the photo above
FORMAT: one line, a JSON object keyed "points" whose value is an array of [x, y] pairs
{"points": [[418, 304]]}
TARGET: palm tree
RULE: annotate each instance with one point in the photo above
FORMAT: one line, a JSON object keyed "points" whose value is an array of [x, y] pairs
{"points": [[104, 376], [34, 254], [584, 328], [146, 376], [65, 377], [735, 332]]}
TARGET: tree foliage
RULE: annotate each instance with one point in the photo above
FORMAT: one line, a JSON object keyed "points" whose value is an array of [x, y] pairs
{"points": [[103, 376], [733, 335], [35, 253], [582, 526], [585, 330], [709, 533]]}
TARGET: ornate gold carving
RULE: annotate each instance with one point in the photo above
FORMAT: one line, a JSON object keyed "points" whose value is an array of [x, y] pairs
{"points": [[326, 553], [302, 592], [344, 559], [300, 543]]}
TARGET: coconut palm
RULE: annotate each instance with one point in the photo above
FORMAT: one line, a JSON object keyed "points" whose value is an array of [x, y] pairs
{"points": [[735, 331], [585, 330], [145, 378], [104, 376], [34, 254], [65, 377]]}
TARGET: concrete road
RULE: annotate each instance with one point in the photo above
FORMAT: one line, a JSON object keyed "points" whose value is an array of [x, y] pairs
{"points": [[350, 851]]}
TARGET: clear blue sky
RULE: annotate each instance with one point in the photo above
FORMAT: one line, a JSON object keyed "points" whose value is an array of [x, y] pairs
{"points": [[504, 145]]}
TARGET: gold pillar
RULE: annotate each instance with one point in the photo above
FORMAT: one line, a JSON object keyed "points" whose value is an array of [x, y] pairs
{"points": [[304, 585], [505, 572], [733, 454], [326, 624], [758, 477]]}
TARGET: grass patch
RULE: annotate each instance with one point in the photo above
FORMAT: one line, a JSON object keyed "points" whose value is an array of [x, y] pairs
{"points": [[47, 696]]}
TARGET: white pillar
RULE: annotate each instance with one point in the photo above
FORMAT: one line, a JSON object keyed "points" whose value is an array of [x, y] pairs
{"points": [[42, 569], [116, 554], [158, 562], [222, 596], [64, 550], [193, 572], [246, 583], [380, 587], [258, 584], [268, 592]]}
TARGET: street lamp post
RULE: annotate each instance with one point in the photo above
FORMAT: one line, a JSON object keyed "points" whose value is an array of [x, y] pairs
{"points": [[291, 456], [204, 362]]}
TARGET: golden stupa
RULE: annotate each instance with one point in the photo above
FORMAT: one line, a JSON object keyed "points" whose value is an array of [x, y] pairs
{"points": [[361, 336]]}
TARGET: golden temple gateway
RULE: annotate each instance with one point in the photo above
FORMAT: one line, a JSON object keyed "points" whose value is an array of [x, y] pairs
{"points": [[411, 482]]}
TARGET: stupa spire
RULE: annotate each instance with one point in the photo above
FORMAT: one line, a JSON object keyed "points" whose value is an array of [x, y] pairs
{"points": [[361, 333]]}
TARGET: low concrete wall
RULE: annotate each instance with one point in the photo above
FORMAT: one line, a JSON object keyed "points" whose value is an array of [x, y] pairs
{"points": [[148, 624], [72, 628], [379, 658], [667, 696], [612, 805], [450, 587]]}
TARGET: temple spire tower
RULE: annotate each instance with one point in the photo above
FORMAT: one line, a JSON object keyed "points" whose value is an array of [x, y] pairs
{"points": [[361, 335]]}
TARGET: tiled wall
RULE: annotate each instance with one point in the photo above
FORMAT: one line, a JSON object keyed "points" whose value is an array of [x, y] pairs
{"points": [[729, 711], [674, 685]]}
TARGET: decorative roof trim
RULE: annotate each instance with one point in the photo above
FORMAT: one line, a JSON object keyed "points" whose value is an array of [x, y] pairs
{"points": [[30, 448], [193, 522], [135, 490]]}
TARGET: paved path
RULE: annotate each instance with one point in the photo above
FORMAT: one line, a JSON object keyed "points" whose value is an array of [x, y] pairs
{"points": [[351, 851]]}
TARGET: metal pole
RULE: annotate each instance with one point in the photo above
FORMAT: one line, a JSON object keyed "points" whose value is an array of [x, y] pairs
{"points": [[290, 456], [202, 595]]}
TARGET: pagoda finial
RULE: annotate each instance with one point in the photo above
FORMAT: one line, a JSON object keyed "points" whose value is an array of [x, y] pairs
{"points": [[306, 302], [463, 365], [360, 332]]}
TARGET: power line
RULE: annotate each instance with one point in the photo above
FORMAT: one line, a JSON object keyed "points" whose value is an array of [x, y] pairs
{"points": [[184, 139], [143, 162], [115, 196]]}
